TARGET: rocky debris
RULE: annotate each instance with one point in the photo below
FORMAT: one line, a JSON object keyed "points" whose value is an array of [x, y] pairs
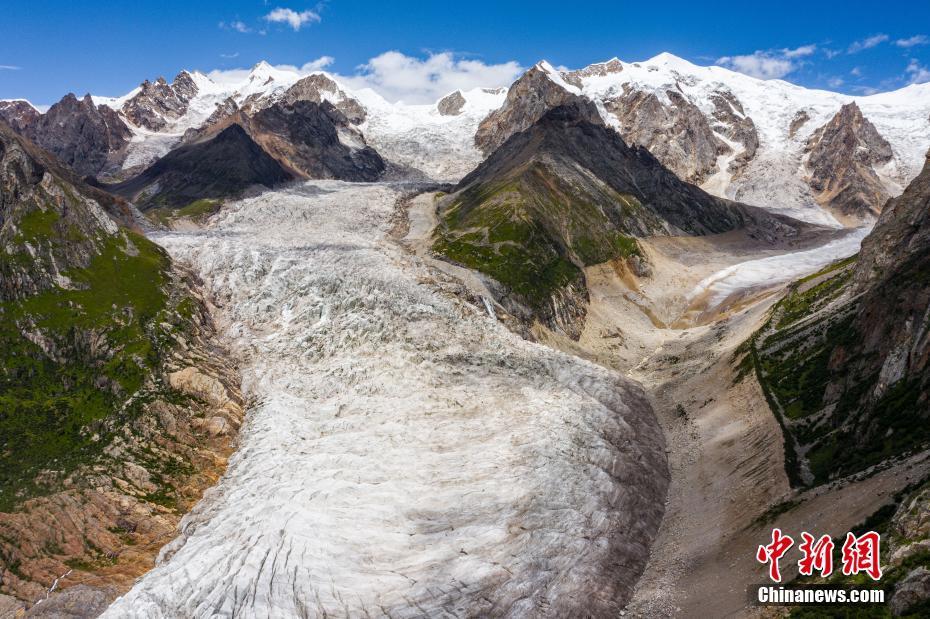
{"points": [[676, 132], [799, 120], [86, 137], [912, 591], [18, 114], [451, 104], [531, 96], [158, 103], [733, 123], [841, 160], [223, 166], [313, 88]]}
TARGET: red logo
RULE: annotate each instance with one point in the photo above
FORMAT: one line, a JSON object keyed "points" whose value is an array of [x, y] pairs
{"points": [[859, 554], [773, 552]]}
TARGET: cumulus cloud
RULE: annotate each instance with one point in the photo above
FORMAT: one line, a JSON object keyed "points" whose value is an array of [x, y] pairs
{"points": [[867, 43], [917, 73], [763, 65], [292, 18], [398, 77], [856, 71], [799, 52], [917, 39], [835, 82], [9, 67]]}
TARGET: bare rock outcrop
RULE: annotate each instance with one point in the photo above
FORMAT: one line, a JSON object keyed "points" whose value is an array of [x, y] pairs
{"points": [[675, 131], [732, 122], [89, 138], [841, 160], [157, 103], [451, 104], [18, 114], [531, 96]]}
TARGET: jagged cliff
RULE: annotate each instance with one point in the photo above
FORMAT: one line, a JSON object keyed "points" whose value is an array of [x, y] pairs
{"points": [[845, 357]]}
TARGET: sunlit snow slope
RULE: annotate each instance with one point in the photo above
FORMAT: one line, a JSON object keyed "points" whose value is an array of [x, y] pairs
{"points": [[406, 455]]}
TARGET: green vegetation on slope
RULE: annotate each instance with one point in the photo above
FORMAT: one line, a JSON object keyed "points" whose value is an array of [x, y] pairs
{"points": [[819, 381], [532, 233], [89, 353]]}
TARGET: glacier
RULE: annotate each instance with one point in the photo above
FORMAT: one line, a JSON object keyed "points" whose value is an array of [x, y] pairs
{"points": [[404, 453]]}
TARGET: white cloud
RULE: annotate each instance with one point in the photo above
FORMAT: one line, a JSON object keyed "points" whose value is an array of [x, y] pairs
{"points": [[856, 71], [398, 77], [917, 39], [835, 82], [9, 67], [764, 65], [799, 52], [236, 25], [292, 18], [233, 55], [865, 90], [867, 43], [917, 73]]}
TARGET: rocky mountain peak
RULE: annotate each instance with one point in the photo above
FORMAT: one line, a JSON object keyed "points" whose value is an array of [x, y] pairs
{"points": [[598, 69], [18, 114], [158, 103], [86, 137], [538, 90], [320, 87], [842, 157]]}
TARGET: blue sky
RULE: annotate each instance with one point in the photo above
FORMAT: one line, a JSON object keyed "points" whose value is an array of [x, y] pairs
{"points": [[50, 48]]}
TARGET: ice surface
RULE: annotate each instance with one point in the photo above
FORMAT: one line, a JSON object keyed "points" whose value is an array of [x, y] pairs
{"points": [[405, 455], [766, 272]]}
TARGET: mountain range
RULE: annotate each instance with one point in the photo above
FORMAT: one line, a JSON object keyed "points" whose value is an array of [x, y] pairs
{"points": [[819, 156]]}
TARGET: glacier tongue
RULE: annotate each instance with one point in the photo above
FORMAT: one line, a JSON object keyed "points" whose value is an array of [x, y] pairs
{"points": [[405, 454]]}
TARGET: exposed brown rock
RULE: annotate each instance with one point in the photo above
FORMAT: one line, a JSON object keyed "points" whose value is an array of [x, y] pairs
{"points": [[312, 87], [733, 122], [158, 102], [89, 138], [677, 133], [18, 114], [451, 104], [799, 120], [527, 100], [842, 156]]}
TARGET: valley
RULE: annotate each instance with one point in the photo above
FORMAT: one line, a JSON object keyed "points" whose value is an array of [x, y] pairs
{"points": [[276, 346]]}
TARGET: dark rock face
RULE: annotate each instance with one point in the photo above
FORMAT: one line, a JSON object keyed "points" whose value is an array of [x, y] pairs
{"points": [[528, 99], [158, 102], [315, 141], [678, 134], [847, 352], [568, 193], [218, 168], [842, 156], [799, 120], [86, 137], [101, 440], [18, 114], [451, 104], [312, 87]]}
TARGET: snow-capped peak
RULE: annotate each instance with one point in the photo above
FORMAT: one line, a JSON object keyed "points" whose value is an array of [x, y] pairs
{"points": [[553, 74]]}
